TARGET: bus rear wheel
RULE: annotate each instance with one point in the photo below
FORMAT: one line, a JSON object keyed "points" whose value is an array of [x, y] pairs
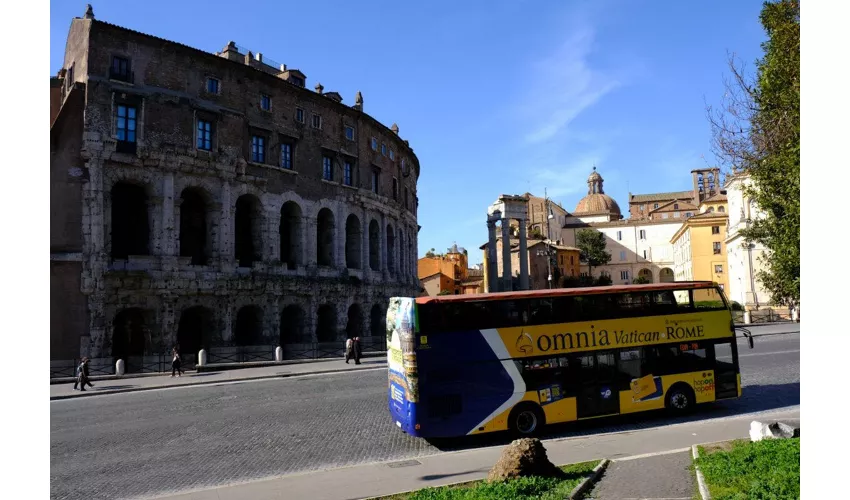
{"points": [[680, 399], [526, 420]]}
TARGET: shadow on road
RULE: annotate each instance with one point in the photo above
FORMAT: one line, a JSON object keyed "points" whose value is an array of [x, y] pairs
{"points": [[204, 374], [755, 398], [112, 387], [434, 477]]}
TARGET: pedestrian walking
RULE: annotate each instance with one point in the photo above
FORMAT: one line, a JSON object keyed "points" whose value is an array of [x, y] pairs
{"points": [[349, 349], [83, 375], [176, 361], [356, 350]]}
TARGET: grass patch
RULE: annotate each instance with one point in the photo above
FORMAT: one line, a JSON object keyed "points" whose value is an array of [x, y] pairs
{"points": [[768, 469], [524, 488]]}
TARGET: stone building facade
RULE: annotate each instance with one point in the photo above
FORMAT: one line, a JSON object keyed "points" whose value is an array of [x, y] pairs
{"points": [[213, 200]]}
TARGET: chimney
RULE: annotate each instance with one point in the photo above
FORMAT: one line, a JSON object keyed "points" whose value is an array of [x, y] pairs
{"points": [[259, 57], [319, 88], [394, 128], [358, 101], [282, 68], [231, 52], [89, 12]]}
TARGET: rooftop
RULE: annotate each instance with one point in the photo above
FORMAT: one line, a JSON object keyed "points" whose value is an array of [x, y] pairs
{"points": [[638, 198]]}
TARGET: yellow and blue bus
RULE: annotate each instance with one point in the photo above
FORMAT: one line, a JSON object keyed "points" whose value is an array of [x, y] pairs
{"points": [[471, 364]]}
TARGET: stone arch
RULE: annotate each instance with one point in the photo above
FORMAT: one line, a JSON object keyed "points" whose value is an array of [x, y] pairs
{"points": [[378, 321], [354, 326], [291, 249], [325, 237], [130, 220], [391, 259], [374, 245], [666, 275], [248, 327], [248, 239], [292, 328], [353, 242], [195, 329], [645, 273], [326, 323], [131, 334], [197, 218]]}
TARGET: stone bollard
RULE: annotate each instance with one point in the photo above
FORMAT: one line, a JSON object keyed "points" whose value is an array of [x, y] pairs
{"points": [[747, 317], [202, 357], [795, 315], [278, 353], [119, 368]]}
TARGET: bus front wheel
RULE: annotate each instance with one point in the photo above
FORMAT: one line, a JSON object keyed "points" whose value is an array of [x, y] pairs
{"points": [[680, 399], [526, 420]]}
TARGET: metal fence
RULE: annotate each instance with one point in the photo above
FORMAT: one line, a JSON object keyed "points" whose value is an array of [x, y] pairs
{"points": [[762, 316]]}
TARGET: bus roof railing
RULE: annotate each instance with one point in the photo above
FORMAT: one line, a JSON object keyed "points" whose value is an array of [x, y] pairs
{"points": [[566, 292]]}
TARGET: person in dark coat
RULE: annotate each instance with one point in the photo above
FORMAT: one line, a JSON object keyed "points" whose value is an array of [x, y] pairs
{"points": [[83, 375], [176, 361], [356, 350]]}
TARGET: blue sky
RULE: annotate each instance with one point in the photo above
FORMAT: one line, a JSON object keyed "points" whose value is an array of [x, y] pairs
{"points": [[494, 96]]}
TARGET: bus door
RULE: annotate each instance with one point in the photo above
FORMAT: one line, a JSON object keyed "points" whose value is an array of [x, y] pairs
{"points": [[597, 385]]}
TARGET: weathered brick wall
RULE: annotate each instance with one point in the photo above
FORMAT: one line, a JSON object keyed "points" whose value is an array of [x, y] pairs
{"points": [[168, 91]]}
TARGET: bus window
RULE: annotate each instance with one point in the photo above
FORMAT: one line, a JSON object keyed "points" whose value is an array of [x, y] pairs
{"points": [[631, 366], [633, 305], [540, 312]]}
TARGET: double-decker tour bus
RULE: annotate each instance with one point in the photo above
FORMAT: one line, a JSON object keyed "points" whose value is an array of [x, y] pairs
{"points": [[470, 364]]}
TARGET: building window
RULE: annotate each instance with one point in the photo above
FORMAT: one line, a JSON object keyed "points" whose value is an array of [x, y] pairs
{"points": [[258, 149], [718, 268], [689, 215], [721, 209], [675, 215], [675, 206], [349, 133], [654, 206], [403, 166], [375, 182], [347, 174], [383, 149], [561, 259], [716, 247], [643, 208], [213, 85], [265, 102], [204, 135], [299, 115], [624, 275], [622, 255], [619, 236], [327, 168], [572, 258], [644, 254], [665, 216], [715, 229], [643, 234], [374, 144], [125, 125], [70, 78], [392, 155], [286, 156], [120, 69], [317, 121], [395, 189]]}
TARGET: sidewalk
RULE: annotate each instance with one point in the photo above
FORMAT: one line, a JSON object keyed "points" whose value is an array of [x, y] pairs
{"points": [[366, 481], [131, 383]]}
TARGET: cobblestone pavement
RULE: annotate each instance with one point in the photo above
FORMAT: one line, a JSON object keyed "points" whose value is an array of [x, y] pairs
{"points": [[148, 443]]}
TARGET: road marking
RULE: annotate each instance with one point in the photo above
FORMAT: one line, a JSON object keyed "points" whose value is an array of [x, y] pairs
{"points": [[760, 354], [648, 455]]}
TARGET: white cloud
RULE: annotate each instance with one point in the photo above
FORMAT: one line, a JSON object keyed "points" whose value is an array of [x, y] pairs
{"points": [[565, 85]]}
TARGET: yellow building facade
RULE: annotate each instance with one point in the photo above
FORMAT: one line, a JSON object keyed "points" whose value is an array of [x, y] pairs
{"points": [[699, 251]]}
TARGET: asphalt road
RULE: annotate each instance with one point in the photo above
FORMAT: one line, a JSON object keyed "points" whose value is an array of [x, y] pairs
{"points": [[149, 443]]}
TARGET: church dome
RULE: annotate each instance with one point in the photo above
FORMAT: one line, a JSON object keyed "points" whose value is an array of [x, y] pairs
{"points": [[596, 201]]}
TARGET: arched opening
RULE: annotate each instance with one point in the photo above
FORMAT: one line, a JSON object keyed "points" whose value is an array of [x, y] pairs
{"points": [[721, 209], [130, 223], [377, 321], [646, 274], [195, 329], [249, 326], [194, 226], [666, 275], [390, 250], [354, 327], [292, 326], [290, 235], [249, 216], [353, 242], [130, 334], [326, 323], [374, 246], [325, 238]]}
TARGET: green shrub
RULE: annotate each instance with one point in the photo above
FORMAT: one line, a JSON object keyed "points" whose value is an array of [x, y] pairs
{"points": [[768, 469]]}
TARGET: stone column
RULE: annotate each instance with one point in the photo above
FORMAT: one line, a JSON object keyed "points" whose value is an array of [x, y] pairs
{"points": [[226, 321], [168, 226], [507, 282], [492, 264], [168, 317], [272, 252], [523, 256], [225, 227]]}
